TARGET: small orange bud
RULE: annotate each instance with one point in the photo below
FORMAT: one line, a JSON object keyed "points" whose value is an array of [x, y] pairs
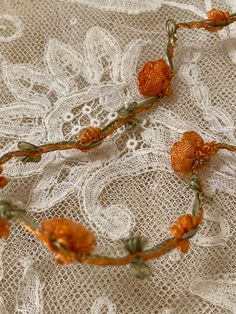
{"points": [[89, 135], [154, 79], [183, 246], [4, 228], [186, 221], [176, 231], [216, 14], [3, 181], [75, 239]]}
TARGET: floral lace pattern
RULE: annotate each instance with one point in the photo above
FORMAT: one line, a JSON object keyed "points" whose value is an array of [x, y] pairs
{"points": [[126, 186]]}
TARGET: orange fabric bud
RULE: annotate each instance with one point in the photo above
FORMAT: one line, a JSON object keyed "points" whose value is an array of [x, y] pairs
{"points": [[183, 153], [216, 14], [154, 79], [176, 231], [3, 181], [89, 135], [183, 246], [188, 150], [186, 221], [75, 239], [4, 228]]}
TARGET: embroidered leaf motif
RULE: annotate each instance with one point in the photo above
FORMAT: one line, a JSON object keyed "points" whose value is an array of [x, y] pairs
{"points": [[58, 180], [218, 289], [64, 63], [14, 167], [29, 296], [30, 84], [21, 119], [207, 235]]}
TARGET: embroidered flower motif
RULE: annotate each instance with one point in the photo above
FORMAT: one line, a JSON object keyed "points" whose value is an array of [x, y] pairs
{"points": [[189, 150], [131, 144], [74, 239], [154, 79]]}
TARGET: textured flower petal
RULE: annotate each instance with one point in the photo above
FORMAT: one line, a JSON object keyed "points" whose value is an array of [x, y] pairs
{"points": [[103, 54], [64, 63], [130, 58], [129, 63]]}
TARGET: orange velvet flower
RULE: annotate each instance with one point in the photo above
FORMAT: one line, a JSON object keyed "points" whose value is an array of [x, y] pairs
{"points": [[74, 239], [188, 150], [154, 79], [217, 15], [4, 228], [89, 135]]}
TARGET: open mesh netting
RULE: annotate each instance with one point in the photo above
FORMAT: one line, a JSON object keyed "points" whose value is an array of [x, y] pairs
{"points": [[68, 64]]}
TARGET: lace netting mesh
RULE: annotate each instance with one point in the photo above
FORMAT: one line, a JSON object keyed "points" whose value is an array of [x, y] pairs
{"points": [[126, 187]]}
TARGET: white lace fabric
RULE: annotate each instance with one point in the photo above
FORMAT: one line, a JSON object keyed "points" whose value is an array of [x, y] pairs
{"points": [[69, 64]]}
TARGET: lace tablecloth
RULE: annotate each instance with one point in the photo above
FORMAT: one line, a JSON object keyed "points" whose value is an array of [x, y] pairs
{"points": [[72, 63]]}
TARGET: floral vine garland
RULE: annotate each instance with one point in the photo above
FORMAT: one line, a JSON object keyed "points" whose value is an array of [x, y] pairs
{"points": [[71, 241]]}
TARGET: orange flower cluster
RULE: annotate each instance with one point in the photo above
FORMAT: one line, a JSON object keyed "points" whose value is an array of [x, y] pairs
{"points": [[189, 150], [89, 135], [74, 239], [4, 228], [183, 225], [3, 180], [154, 79], [217, 15]]}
